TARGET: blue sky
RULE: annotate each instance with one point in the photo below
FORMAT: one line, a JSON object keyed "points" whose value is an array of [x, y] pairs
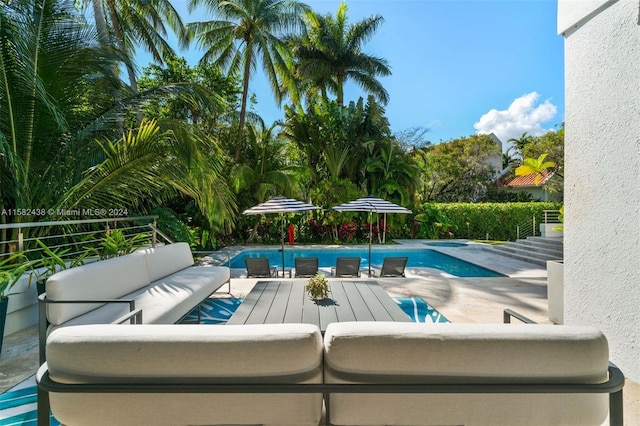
{"points": [[458, 67]]}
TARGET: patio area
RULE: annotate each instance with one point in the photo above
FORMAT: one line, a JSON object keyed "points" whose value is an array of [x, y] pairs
{"points": [[461, 300]]}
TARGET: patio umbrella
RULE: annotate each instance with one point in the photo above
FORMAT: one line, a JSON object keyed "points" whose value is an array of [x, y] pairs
{"points": [[281, 205], [371, 204]]}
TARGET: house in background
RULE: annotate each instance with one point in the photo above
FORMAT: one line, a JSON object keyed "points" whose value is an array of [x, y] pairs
{"points": [[540, 191]]}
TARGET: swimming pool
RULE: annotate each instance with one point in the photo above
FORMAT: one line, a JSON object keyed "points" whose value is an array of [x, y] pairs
{"points": [[327, 258]]}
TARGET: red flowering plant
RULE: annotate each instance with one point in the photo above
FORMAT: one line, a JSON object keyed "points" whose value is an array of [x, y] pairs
{"points": [[347, 231]]}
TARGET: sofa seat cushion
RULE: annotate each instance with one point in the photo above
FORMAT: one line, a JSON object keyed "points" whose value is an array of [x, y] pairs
{"points": [[465, 353], [106, 279], [164, 301], [273, 353]]}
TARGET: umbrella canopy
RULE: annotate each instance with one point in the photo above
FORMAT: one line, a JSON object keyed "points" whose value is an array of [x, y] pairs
{"points": [[371, 204], [281, 205]]}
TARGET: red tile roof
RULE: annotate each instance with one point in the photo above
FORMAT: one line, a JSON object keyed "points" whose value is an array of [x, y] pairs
{"points": [[528, 180]]}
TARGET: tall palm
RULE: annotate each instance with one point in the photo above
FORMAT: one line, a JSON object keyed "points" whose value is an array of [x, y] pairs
{"points": [[331, 53], [248, 31], [268, 175], [54, 79], [138, 23]]}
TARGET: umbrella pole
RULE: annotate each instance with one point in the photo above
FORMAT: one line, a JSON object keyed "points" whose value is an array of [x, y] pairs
{"points": [[282, 240], [370, 231]]}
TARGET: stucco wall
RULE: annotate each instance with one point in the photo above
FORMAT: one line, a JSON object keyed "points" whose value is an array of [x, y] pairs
{"points": [[602, 176]]}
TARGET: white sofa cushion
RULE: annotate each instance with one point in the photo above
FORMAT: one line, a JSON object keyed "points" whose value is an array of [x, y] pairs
{"points": [[107, 279], [273, 353], [459, 353], [167, 259]]}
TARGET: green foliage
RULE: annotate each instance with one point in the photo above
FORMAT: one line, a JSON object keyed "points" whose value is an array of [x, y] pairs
{"points": [[330, 52], [53, 260], [457, 171], [317, 287], [116, 243], [434, 223], [497, 220], [11, 269]]}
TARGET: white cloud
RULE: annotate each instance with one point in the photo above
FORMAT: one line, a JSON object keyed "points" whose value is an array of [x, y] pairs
{"points": [[523, 115]]}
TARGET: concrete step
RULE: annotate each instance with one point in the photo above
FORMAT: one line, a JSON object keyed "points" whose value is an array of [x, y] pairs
{"points": [[536, 250], [552, 242], [555, 252], [524, 256]]}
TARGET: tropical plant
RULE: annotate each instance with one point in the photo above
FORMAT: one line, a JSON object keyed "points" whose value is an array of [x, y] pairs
{"points": [[248, 31], [330, 53], [267, 173], [138, 23], [53, 260], [11, 270], [317, 287], [116, 243], [535, 166]]}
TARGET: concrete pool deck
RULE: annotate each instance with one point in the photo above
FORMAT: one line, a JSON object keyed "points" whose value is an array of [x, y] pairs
{"points": [[479, 300]]}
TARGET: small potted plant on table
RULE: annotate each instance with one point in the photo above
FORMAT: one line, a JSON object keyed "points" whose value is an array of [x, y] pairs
{"points": [[318, 287]]}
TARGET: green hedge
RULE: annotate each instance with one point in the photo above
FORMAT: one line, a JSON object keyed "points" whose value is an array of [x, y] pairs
{"points": [[497, 220]]}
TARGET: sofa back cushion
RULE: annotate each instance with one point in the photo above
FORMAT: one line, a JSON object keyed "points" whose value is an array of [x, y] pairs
{"points": [[265, 353], [165, 260], [465, 353], [106, 279], [262, 353]]}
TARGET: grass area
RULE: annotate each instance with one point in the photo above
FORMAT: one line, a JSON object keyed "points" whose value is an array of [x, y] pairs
{"points": [[490, 242]]}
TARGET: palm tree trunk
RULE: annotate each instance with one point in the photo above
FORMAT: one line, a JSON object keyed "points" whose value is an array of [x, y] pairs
{"points": [[243, 107], [117, 31], [101, 22]]}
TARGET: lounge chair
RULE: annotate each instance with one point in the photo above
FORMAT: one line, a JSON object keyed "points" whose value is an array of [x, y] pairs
{"points": [[393, 266], [259, 267], [347, 267], [305, 266]]}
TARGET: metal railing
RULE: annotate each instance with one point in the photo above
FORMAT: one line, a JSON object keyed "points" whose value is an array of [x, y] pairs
{"points": [[551, 216], [71, 238], [526, 229]]}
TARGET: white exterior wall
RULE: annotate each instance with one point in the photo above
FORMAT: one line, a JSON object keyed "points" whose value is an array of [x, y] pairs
{"points": [[602, 172]]}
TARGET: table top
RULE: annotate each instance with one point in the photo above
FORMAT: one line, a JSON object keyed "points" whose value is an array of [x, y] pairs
{"points": [[286, 301]]}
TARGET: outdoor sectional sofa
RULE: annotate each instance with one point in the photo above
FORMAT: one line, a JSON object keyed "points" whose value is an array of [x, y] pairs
{"points": [[365, 373], [157, 285]]}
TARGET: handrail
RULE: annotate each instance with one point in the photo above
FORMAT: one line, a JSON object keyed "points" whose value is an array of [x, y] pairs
{"points": [[508, 314], [73, 222], [76, 233]]}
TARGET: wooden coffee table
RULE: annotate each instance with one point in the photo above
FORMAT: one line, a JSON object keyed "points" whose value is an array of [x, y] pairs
{"points": [[285, 301]]}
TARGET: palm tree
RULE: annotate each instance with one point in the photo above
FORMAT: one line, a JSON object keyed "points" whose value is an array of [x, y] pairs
{"points": [[331, 53], [55, 78], [138, 23], [268, 175], [522, 141], [248, 31]]}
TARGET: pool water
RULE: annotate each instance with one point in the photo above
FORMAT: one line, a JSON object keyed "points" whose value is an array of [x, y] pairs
{"points": [[327, 257], [445, 244]]}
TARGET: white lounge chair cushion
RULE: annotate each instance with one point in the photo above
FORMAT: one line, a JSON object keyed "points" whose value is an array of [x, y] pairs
{"points": [[454, 353]]}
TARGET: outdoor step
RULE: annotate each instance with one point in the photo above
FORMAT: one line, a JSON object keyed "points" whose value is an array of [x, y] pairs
{"points": [[552, 242], [542, 249], [531, 251], [523, 257]]}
